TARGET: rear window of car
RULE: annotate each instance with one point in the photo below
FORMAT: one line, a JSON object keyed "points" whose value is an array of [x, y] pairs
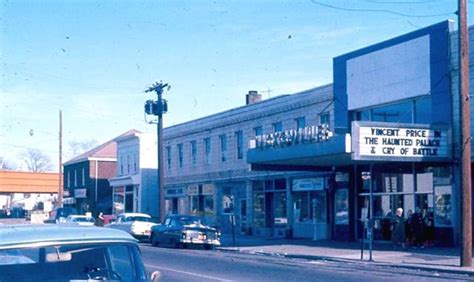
{"points": [[138, 218]]}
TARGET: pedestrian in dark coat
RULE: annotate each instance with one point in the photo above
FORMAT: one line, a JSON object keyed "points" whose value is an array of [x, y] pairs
{"points": [[409, 227], [100, 220], [418, 228], [398, 229]]}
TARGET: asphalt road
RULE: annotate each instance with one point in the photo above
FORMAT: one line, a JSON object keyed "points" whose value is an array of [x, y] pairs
{"points": [[201, 265]]}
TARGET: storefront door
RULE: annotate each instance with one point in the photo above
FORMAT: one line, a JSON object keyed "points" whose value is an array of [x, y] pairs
{"points": [[310, 215]]}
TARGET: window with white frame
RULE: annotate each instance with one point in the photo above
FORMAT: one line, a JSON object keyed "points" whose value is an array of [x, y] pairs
{"points": [[207, 150], [277, 126], [75, 178], [128, 164], [121, 165], [258, 131], [223, 141], [324, 118], [300, 122], [193, 152], [180, 155], [135, 163], [239, 142], [168, 156], [68, 179]]}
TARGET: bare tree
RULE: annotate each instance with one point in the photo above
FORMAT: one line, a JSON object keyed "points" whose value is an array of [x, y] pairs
{"points": [[78, 147], [36, 160], [6, 165]]}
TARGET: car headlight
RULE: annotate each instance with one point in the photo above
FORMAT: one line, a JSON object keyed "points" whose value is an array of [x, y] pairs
{"points": [[183, 235]]}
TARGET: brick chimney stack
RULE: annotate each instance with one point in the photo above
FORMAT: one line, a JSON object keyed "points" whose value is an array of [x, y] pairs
{"points": [[253, 97]]}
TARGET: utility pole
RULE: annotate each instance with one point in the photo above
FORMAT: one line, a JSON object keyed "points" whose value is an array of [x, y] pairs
{"points": [[466, 216], [60, 186], [158, 108]]}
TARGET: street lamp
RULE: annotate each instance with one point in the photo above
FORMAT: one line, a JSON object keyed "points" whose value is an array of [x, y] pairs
{"points": [[158, 108]]}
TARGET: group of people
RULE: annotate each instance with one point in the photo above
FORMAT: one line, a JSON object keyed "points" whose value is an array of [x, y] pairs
{"points": [[416, 230]]}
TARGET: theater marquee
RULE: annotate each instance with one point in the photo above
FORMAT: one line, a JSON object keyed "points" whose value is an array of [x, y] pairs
{"points": [[400, 142]]}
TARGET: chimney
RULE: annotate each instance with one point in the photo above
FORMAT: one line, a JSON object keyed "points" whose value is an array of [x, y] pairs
{"points": [[253, 97]]}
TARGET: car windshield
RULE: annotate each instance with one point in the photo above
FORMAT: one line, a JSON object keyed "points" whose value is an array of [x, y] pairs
{"points": [[189, 220], [72, 262]]}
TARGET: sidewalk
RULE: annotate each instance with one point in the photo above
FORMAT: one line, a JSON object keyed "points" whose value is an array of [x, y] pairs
{"points": [[429, 259]]}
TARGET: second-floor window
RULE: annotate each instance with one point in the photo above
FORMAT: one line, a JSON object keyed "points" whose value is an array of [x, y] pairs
{"points": [[300, 123], [324, 118], [207, 150], [180, 155], [258, 131], [239, 142], [135, 163], [68, 179], [278, 127], [121, 165], [193, 152], [128, 164], [223, 140], [75, 178], [168, 156], [83, 177]]}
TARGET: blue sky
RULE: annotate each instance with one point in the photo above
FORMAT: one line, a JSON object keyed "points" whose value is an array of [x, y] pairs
{"points": [[94, 59]]}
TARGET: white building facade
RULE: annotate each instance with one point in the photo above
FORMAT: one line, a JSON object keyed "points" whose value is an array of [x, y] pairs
{"points": [[135, 183]]}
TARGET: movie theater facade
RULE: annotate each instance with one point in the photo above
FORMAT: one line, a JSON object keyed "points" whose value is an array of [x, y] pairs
{"points": [[393, 143]]}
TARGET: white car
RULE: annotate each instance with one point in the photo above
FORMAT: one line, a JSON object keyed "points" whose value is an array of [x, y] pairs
{"points": [[82, 220], [137, 224]]}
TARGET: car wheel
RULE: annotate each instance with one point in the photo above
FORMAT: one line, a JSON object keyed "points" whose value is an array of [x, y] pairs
{"points": [[154, 240], [209, 247], [176, 244]]}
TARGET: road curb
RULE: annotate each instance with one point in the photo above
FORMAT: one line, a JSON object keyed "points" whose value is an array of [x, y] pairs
{"points": [[469, 273]]}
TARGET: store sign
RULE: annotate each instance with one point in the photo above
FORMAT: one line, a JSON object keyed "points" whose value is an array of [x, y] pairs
{"points": [[193, 190], [309, 134], [80, 193], [406, 143], [308, 184], [174, 192], [208, 189]]}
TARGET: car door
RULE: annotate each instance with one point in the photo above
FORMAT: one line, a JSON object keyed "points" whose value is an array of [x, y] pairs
{"points": [[171, 231], [160, 230]]}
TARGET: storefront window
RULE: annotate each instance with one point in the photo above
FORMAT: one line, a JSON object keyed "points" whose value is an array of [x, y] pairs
{"points": [[342, 206], [442, 206], [208, 204], [280, 217], [259, 209], [309, 205]]}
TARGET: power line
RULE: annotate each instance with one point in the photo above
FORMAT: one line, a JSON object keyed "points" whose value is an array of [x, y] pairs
{"points": [[380, 11]]}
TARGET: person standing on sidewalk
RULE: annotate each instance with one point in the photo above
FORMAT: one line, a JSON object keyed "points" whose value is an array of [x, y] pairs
{"points": [[429, 227], [100, 220], [398, 229], [409, 228], [418, 228]]}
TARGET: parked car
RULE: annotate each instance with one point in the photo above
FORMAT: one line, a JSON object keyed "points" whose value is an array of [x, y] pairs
{"points": [[59, 215], [184, 230], [82, 220], [69, 253], [137, 224]]}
